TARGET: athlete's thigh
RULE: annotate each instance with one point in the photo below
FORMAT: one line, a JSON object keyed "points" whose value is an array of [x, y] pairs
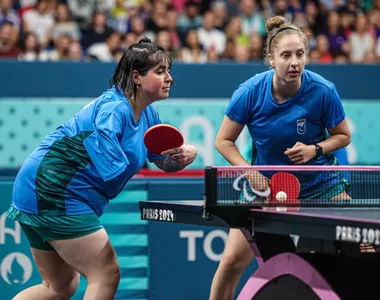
{"points": [[55, 272], [237, 246], [91, 255]]}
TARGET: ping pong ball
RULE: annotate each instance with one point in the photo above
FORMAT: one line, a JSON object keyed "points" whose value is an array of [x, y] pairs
{"points": [[281, 196]]}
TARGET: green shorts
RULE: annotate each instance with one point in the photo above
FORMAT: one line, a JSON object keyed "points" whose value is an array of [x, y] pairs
{"points": [[333, 190], [41, 229]]}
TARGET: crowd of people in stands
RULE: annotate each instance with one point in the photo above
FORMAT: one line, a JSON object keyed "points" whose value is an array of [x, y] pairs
{"points": [[194, 31]]}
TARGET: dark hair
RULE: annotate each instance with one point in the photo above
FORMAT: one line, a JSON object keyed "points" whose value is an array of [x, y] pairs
{"points": [[277, 26], [141, 57]]}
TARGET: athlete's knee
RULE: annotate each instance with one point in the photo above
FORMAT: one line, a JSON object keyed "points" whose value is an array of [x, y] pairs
{"points": [[64, 288], [107, 277], [113, 277], [234, 264]]}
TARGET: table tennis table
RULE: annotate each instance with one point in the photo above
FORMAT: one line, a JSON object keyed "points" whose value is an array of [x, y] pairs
{"points": [[313, 253]]}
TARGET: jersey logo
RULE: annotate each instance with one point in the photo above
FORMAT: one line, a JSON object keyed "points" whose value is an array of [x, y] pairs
{"points": [[301, 126]]}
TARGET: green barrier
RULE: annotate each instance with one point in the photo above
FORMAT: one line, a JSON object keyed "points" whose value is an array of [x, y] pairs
{"points": [[24, 123]]}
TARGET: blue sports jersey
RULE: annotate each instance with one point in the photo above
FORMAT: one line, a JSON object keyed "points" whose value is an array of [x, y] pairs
{"points": [[274, 126], [86, 161]]}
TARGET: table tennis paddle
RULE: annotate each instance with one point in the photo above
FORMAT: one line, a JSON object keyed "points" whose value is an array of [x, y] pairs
{"points": [[285, 189], [162, 137]]}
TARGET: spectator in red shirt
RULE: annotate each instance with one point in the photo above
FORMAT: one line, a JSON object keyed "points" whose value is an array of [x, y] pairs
{"points": [[8, 49]]}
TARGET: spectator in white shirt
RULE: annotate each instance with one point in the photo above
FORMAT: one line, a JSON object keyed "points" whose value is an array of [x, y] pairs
{"points": [[106, 52], [64, 24], [361, 40], [209, 36], [40, 22]]}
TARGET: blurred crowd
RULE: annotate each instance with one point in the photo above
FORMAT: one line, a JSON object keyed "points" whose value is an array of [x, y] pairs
{"points": [[194, 31]]}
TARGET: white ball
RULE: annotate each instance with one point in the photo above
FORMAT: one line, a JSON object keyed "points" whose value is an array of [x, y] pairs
{"points": [[281, 196]]}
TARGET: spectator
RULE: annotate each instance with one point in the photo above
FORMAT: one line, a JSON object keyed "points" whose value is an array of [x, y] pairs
{"points": [[212, 55], [30, 49], [241, 54], [369, 57], [139, 29], [233, 7], [172, 17], [97, 32], [299, 19], [341, 58], [374, 23], [83, 11], [8, 48], [192, 52], [252, 20], [106, 51], [8, 15], [163, 39], [335, 35], [209, 36], [361, 40], [157, 20], [64, 24], [25, 5], [190, 19], [229, 51], [325, 56], [39, 21], [295, 7], [129, 39], [312, 42], [234, 31], [267, 9], [311, 14], [122, 15], [256, 47], [281, 8], [347, 23], [178, 5], [219, 9], [75, 52], [119, 16], [60, 50], [314, 56]]}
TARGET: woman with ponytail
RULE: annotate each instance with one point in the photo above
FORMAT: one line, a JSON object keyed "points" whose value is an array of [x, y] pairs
{"points": [[64, 186]]}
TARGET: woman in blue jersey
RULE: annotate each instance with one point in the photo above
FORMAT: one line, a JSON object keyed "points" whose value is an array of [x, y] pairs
{"points": [[65, 184], [294, 116]]}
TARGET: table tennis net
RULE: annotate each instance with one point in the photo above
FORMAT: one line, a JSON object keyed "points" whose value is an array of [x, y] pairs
{"points": [[335, 186]]}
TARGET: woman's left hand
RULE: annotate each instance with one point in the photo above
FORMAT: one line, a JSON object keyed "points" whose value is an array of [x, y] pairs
{"points": [[301, 153], [183, 155]]}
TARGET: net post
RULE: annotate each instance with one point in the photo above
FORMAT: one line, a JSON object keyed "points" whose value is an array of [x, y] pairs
{"points": [[211, 186]]}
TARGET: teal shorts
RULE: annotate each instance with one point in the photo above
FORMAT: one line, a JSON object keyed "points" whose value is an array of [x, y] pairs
{"points": [[39, 230]]}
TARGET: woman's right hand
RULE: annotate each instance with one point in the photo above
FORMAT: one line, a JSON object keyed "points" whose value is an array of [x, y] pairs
{"points": [[258, 183]]}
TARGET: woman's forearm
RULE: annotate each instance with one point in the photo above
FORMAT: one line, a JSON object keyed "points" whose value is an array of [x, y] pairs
{"points": [[231, 153], [335, 142]]}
